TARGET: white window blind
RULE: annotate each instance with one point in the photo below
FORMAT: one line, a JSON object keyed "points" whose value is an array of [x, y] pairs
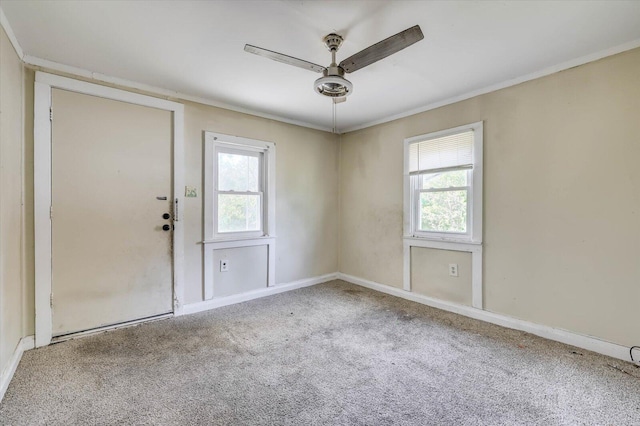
{"points": [[442, 153]]}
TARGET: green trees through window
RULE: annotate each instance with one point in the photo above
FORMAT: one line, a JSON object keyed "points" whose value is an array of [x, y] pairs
{"points": [[443, 199], [239, 192]]}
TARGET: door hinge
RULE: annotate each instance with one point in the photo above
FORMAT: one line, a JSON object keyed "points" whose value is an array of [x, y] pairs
{"points": [[50, 212], [51, 300], [50, 114]]}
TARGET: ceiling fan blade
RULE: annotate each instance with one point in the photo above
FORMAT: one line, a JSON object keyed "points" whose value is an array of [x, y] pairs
{"points": [[382, 49], [290, 60]]}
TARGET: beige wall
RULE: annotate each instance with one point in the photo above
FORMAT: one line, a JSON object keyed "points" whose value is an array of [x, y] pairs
{"points": [[430, 274], [247, 270], [561, 197], [562, 234], [306, 194], [11, 191]]}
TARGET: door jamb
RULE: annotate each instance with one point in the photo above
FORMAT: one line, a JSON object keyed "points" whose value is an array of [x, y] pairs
{"points": [[44, 82]]}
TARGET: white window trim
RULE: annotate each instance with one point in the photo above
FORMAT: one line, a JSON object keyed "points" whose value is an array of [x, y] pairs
{"points": [[471, 245], [475, 206], [222, 147], [211, 240], [212, 142]]}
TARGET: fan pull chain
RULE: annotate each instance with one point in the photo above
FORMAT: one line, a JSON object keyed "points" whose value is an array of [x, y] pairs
{"points": [[335, 124]]}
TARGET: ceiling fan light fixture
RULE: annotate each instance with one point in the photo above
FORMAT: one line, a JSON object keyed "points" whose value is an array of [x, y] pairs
{"points": [[333, 86]]}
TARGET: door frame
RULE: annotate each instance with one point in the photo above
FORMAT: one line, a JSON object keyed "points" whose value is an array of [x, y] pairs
{"points": [[44, 83]]}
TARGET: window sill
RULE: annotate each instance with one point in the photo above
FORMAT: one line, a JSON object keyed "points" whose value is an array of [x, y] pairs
{"points": [[238, 239], [442, 240], [443, 244]]}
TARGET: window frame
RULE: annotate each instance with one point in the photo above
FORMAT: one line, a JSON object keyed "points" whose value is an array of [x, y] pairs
{"points": [[413, 188], [225, 148], [216, 143]]}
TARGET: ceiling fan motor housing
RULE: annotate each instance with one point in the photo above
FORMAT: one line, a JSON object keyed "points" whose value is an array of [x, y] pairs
{"points": [[333, 84], [333, 41]]}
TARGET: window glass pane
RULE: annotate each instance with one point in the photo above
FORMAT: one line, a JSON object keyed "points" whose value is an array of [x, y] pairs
{"points": [[238, 213], [237, 172], [454, 178], [443, 211]]}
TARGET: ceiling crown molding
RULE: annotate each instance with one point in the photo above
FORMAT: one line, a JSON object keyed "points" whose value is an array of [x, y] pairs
{"points": [[12, 37], [159, 91], [508, 83], [162, 92]]}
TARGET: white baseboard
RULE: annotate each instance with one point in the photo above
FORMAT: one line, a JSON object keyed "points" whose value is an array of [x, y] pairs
{"points": [[585, 342], [206, 305], [24, 344], [568, 337]]}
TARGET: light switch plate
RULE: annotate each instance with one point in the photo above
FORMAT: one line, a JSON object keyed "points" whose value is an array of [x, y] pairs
{"points": [[190, 192]]}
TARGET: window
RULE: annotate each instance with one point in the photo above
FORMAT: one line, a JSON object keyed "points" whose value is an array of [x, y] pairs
{"points": [[443, 185], [239, 187], [239, 191]]}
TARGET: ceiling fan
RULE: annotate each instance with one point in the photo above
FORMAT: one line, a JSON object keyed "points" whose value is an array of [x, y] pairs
{"points": [[332, 83]]}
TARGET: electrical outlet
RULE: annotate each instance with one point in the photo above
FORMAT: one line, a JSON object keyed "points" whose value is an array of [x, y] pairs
{"points": [[453, 269], [224, 265]]}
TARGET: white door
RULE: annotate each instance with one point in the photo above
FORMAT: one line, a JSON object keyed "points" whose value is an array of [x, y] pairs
{"points": [[111, 185]]}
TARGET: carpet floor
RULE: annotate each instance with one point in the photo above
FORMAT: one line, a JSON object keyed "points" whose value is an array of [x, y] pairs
{"points": [[331, 354]]}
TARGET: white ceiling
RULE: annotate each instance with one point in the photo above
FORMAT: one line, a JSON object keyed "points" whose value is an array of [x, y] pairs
{"points": [[196, 48]]}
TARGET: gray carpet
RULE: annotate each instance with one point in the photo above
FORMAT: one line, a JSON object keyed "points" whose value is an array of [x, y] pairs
{"points": [[332, 354]]}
